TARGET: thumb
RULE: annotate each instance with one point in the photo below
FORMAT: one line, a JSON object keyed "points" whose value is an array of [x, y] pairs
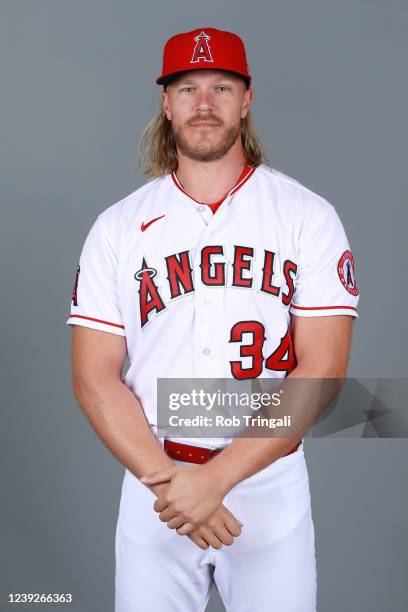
{"points": [[158, 477]]}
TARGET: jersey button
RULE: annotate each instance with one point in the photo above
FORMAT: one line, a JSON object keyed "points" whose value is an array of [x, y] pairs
{"points": [[201, 208], [206, 352]]}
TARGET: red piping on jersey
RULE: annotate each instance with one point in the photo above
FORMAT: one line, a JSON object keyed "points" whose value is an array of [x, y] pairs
{"points": [[97, 321], [249, 172], [243, 180], [321, 307]]}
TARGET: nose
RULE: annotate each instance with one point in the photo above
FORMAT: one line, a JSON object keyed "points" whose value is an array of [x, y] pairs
{"points": [[204, 101]]}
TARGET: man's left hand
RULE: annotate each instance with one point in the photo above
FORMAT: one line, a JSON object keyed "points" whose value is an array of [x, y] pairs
{"points": [[193, 495]]}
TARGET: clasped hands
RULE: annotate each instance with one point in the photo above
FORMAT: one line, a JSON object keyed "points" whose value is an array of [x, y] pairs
{"points": [[190, 501]]}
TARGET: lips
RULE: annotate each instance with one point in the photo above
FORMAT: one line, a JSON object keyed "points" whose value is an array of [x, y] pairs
{"points": [[204, 124]]}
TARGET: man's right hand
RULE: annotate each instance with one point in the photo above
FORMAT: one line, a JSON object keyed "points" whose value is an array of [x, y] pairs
{"points": [[220, 529]]}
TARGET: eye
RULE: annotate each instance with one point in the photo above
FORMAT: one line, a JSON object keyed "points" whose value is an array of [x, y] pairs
{"points": [[187, 88], [222, 87]]}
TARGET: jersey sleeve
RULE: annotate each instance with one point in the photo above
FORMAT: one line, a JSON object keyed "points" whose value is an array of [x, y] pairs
{"points": [[325, 280], [95, 301]]}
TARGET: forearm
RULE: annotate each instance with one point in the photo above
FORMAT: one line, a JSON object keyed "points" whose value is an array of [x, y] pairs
{"points": [[118, 419], [247, 456], [304, 399]]}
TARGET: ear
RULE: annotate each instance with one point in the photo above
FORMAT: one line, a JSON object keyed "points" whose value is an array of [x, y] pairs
{"points": [[166, 104], [247, 101]]}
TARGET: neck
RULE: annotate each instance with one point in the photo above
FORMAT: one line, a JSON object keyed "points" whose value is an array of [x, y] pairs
{"points": [[208, 182]]}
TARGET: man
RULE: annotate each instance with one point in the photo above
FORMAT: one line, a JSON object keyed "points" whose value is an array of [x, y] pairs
{"points": [[218, 267]]}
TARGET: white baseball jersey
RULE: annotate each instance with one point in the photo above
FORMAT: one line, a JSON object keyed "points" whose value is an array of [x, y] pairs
{"points": [[199, 294]]}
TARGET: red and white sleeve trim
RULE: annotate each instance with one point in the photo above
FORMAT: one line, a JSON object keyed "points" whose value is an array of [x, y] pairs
{"points": [[321, 311], [100, 324]]}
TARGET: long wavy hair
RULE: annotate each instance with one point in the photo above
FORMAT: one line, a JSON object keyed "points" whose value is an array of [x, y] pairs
{"points": [[157, 154]]}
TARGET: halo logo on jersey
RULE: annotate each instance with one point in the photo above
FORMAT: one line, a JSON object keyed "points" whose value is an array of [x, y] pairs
{"points": [[202, 49], [75, 291], [345, 269], [149, 296]]}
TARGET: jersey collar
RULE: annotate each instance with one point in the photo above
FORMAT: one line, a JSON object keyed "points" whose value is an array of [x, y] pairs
{"points": [[246, 174]]}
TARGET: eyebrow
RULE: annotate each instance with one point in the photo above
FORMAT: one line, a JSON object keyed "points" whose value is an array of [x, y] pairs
{"points": [[192, 82]]}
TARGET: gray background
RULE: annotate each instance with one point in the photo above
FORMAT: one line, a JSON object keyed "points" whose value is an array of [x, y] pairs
{"points": [[77, 87]]}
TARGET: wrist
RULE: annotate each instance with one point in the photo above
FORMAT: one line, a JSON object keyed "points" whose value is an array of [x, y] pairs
{"points": [[220, 475], [159, 489]]}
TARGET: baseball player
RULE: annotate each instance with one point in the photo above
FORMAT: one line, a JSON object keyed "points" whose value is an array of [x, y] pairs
{"points": [[218, 267]]}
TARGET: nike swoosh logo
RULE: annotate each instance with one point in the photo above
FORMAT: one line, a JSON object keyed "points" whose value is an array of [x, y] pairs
{"points": [[144, 226]]}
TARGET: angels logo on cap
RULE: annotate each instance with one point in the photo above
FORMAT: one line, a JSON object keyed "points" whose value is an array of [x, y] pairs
{"points": [[202, 49], [345, 269]]}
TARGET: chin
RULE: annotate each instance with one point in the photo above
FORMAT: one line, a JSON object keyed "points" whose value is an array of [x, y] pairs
{"points": [[204, 150], [206, 144]]}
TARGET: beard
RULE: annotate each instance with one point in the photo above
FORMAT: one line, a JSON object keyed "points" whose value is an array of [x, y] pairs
{"points": [[206, 151]]}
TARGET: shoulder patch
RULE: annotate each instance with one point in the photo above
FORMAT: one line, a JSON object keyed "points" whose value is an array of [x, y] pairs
{"points": [[75, 291], [345, 269]]}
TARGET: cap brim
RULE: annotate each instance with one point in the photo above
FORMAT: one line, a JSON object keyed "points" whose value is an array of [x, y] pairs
{"points": [[165, 80]]}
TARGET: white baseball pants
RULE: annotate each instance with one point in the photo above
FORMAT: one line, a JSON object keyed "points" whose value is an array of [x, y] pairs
{"points": [[270, 567]]}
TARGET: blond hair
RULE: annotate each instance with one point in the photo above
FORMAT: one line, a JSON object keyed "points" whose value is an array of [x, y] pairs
{"points": [[157, 152]]}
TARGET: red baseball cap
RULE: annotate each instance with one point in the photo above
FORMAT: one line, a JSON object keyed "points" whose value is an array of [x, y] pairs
{"points": [[204, 49]]}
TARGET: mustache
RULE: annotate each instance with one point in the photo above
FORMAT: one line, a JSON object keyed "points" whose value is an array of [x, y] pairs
{"points": [[209, 118]]}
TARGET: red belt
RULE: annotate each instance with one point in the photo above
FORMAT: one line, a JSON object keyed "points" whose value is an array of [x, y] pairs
{"points": [[197, 454]]}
